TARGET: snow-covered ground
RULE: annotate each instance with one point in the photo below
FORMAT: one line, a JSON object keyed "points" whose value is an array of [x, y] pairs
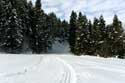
{"points": [[60, 69]]}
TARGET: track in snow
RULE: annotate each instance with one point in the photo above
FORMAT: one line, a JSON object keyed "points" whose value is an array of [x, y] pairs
{"points": [[69, 75], [42, 71], [61, 69]]}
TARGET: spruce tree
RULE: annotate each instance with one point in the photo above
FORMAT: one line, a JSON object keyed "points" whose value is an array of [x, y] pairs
{"points": [[59, 30], [12, 39], [117, 27], [40, 30], [2, 17], [30, 17], [65, 31], [84, 35], [22, 12], [36, 28], [95, 34], [38, 4], [102, 27], [72, 31], [54, 24], [90, 39], [102, 40], [117, 36], [78, 34], [49, 34]]}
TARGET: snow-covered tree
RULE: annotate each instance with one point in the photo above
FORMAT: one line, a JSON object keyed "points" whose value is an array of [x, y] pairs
{"points": [[2, 17], [79, 34], [22, 11], [12, 34], [84, 34], [40, 30], [64, 30], [116, 35], [91, 40], [72, 31]]}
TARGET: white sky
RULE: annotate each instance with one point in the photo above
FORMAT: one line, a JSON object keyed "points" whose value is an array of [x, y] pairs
{"points": [[92, 8]]}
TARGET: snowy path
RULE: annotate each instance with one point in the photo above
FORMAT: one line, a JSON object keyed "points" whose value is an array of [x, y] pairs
{"points": [[46, 68], [69, 75], [97, 70], [60, 69]]}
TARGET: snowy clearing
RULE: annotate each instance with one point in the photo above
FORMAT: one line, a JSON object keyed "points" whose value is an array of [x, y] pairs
{"points": [[60, 69]]}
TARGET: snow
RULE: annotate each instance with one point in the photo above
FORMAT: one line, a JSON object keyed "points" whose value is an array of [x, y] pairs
{"points": [[60, 69], [101, 42]]}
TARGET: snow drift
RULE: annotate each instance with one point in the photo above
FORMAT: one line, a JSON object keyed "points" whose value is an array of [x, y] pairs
{"points": [[60, 69]]}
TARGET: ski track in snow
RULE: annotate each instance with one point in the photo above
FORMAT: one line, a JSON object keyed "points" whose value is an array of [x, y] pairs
{"points": [[90, 70], [63, 69], [69, 75]]}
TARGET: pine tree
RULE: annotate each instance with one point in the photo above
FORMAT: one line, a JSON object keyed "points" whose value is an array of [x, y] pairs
{"points": [[84, 35], [90, 39], [72, 31], [65, 31], [59, 30], [78, 43], [30, 17], [121, 48], [12, 39], [2, 16], [117, 27], [117, 36], [36, 29], [21, 7], [22, 12], [40, 30], [105, 43], [102, 27], [96, 33], [38, 4], [49, 34], [54, 24]]}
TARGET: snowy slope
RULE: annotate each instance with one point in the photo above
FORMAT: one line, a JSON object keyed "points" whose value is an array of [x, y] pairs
{"points": [[60, 69]]}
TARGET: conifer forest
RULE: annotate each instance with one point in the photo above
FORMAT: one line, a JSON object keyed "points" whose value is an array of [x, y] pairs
{"points": [[24, 25]]}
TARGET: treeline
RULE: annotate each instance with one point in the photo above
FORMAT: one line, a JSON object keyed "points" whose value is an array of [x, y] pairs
{"points": [[24, 26], [96, 38]]}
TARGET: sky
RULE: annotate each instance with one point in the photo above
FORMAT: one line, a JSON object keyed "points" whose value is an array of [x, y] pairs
{"points": [[91, 8]]}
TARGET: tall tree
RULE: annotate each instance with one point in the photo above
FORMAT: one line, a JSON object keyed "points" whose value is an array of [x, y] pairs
{"points": [[2, 17], [84, 35], [72, 31], [117, 35], [91, 43], [102, 27], [54, 24], [36, 27], [65, 30], [22, 12], [40, 30], [12, 39], [78, 33], [38, 4], [102, 40]]}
